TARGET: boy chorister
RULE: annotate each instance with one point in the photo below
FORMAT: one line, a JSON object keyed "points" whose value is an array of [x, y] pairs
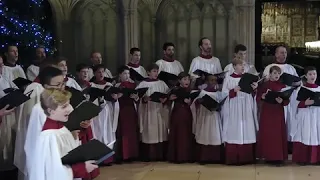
{"points": [[272, 137], [105, 125], [128, 129], [83, 76], [207, 125], [55, 141], [239, 119], [306, 137], [153, 117], [181, 139], [61, 62]]}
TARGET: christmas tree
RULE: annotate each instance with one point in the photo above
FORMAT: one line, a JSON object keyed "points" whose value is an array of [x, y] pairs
{"points": [[22, 23]]}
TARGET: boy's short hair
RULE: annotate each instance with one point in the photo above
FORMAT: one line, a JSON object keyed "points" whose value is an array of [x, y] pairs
{"points": [[183, 75], [60, 59], [309, 68], [81, 66], [47, 74], [52, 98], [166, 45], [240, 47], [152, 66], [97, 67], [275, 68], [121, 69], [133, 50], [236, 62]]}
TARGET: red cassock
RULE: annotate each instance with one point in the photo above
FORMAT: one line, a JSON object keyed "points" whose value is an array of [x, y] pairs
{"points": [[127, 134], [181, 139], [272, 135], [303, 153], [86, 135]]}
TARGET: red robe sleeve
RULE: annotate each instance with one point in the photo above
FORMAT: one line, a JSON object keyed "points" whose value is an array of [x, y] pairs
{"points": [[285, 102], [232, 93], [302, 104], [79, 171]]}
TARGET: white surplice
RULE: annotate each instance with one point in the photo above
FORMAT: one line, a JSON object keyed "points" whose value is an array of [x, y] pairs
{"points": [[139, 70], [23, 124], [73, 83], [153, 117], [291, 109], [308, 124], [6, 127], [240, 122], [32, 72], [107, 73], [7, 73], [211, 66], [248, 68], [207, 125], [50, 146], [104, 126], [173, 67], [16, 71]]}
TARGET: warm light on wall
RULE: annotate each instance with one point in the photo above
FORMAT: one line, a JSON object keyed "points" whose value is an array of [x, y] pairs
{"points": [[313, 46]]}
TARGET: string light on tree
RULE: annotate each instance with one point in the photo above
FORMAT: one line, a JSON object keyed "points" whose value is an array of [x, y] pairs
{"points": [[23, 32]]}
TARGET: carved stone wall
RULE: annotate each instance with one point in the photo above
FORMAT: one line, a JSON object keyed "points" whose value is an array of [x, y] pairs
{"points": [[114, 26]]}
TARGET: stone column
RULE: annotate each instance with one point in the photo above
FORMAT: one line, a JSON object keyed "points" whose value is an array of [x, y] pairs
{"points": [[131, 30], [245, 26]]}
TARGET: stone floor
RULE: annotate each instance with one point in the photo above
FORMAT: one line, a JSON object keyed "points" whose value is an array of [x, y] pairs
{"points": [[166, 171]]}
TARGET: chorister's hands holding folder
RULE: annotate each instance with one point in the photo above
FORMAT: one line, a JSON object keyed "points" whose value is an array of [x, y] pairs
{"points": [[263, 96], [309, 102], [187, 101], [163, 100], [279, 100], [134, 97], [4, 111], [85, 124], [237, 89], [90, 166], [254, 85], [173, 97]]}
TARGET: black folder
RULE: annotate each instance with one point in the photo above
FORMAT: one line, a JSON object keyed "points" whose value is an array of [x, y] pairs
{"points": [[77, 96], [111, 90], [182, 94], [134, 75], [168, 78], [220, 76], [94, 93], [289, 79], [211, 104], [85, 111], [272, 95], [128, 92], [9, 90], [93, 150], [245, 82], [305, 94], [110, 80], [21, 83], [156, 96], [13, 99]]}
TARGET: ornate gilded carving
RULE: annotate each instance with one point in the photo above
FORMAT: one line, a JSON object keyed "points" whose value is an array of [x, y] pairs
{"points": [[291, 23]]}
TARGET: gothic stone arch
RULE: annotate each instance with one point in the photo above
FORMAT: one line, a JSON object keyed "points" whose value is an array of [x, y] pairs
{"points": [[97, 28], [184, 22]]}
